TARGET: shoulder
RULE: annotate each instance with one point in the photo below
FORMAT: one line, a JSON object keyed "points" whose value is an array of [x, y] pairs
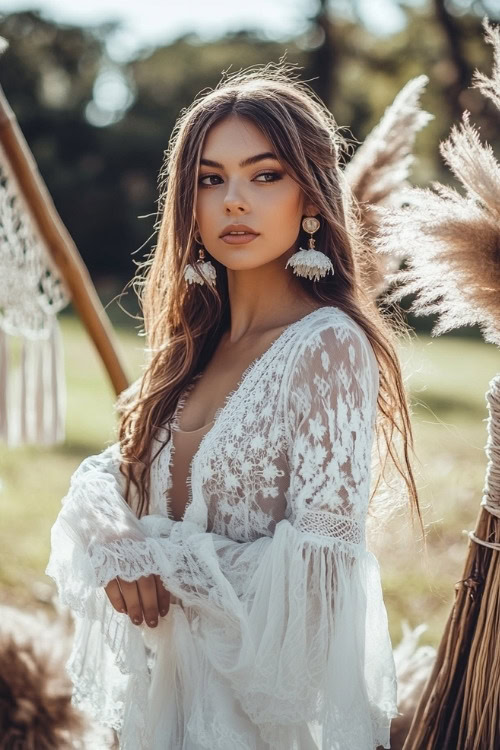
{"points": [[330, 344], [331, 330]]}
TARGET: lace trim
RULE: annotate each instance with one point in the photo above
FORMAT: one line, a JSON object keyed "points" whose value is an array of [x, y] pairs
{"points": [[331, 525]]}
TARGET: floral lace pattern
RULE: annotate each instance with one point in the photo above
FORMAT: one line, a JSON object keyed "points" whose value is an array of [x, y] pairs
{"points": [[246, 458], [277, 624]]}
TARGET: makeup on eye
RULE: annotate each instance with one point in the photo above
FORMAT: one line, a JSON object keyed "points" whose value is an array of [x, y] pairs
{"points": [[272, 173]]}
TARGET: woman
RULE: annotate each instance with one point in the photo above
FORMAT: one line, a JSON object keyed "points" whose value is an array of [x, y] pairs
{"points": [[215, 556]]}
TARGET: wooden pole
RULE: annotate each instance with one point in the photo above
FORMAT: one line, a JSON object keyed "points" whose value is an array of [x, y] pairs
{"points": [[60, 244]]}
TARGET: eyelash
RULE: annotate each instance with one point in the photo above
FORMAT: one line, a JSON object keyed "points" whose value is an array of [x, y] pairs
{"points": [[276, 175]]}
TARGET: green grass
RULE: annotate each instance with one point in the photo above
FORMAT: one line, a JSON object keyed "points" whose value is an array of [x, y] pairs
{"points": [[448, 377], [33, 479]]}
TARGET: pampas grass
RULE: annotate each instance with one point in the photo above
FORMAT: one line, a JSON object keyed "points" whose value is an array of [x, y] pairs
{"points": [[450, 239], [36, 712], [451, 242], [490, 87], [378, 171]]}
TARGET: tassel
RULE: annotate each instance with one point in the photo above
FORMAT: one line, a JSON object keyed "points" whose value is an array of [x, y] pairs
{"points": [[42, 397], [39, 349], [55, 394], [24, 432], [203, 271], [4, 384], [312, 264], [19, 430]]}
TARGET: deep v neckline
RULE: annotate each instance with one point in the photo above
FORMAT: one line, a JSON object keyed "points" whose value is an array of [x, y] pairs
{"points": [[228, 400]]}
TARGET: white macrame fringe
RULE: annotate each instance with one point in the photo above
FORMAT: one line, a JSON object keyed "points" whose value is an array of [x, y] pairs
{"points": [[312, 264], [35, 396], [32, 292]]}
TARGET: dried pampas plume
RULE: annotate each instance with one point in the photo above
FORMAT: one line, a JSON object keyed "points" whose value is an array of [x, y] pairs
{"points": [[490, 87], [452, 241], [378, 172], [36, 712]]}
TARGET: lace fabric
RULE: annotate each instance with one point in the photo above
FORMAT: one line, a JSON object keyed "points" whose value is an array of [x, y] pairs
{"points": [[277, 632]]}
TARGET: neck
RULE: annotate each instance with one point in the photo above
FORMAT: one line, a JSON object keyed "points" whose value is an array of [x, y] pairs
{"points": [[264, 298]]}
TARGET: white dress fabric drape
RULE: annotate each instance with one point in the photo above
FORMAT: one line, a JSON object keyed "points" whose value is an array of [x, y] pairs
{"points": [[277, 636]]}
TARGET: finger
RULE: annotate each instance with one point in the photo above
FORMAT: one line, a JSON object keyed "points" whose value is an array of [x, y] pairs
{"points": [[147, 593], [132, 602], [163, 597], [115, 595]]}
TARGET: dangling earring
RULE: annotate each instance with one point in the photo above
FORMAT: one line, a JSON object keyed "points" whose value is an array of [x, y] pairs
{"points": [[202, 271], [310, 263]]}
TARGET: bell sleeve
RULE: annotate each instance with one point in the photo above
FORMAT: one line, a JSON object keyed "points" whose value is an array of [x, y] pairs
{"points": [[294, 623], [108, 660]]}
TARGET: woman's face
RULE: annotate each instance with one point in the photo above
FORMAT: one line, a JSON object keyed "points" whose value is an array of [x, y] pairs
{"points": [[242, 186]]}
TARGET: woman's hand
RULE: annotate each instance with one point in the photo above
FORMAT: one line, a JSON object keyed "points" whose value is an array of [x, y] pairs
{"points": [[145, 598]]}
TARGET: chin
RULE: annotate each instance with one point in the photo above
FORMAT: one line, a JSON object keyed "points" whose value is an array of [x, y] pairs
{"points": [[248, 266], [246, 259]]}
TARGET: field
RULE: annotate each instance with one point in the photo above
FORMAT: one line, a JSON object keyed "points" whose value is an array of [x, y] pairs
{"points": [[448, 378]]}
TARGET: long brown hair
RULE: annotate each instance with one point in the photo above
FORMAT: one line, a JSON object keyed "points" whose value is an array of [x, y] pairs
{"points": [[183, 325]]}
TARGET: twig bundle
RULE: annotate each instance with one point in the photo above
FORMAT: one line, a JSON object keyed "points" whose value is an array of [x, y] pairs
{"points": [[460, 705], [480, 722]]}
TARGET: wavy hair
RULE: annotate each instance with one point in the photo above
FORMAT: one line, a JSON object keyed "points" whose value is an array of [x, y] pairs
{"points": [[183, 325]]}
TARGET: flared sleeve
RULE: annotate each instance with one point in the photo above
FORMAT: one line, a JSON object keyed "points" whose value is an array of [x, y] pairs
{"points": [[294, 623]]}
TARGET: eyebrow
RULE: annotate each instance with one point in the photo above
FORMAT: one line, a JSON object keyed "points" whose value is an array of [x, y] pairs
{"points": [[245, 163]]}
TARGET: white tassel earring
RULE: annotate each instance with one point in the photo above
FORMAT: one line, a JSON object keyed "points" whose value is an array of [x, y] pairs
{"points": [[203, 271], [310, 263]]}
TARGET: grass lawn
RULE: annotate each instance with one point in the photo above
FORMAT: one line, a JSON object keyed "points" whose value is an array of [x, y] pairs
{"points": [[448, 377]]}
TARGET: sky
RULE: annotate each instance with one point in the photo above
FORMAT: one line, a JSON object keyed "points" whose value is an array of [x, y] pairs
{"points": [[148, 22]]}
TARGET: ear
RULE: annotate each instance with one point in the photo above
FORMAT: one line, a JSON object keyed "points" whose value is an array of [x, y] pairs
{"points": [[310, 209]]}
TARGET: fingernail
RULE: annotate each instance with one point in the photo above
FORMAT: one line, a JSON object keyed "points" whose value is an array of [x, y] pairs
{"points": [[123, 610], [137, 621], [153, 623], [163, 612]]}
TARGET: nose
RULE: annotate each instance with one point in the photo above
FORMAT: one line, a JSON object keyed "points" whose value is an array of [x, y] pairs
{"points": [[234, 207], [234, 203]]}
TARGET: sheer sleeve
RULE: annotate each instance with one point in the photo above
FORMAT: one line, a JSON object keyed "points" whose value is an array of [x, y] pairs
{"points": [[294, 623], [108, 661]]}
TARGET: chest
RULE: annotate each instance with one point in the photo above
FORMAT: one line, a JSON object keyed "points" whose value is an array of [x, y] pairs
{"points": [[232, 475], [219, 380]]}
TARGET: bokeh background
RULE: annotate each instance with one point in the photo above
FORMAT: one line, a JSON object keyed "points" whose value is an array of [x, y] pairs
{"points": [[96, 88]]}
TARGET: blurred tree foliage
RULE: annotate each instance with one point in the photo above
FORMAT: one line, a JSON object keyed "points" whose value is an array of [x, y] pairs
{"points": [[98, 129]]}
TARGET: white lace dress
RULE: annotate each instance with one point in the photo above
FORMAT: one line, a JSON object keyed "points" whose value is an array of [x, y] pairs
{"points": [[276, 637]]}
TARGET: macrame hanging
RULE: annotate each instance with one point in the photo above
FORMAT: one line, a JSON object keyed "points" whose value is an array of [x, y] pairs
{"points": [[40, 271], [32, 389]]}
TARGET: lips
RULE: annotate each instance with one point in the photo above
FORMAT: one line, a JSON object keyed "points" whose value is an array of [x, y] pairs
{"points": [[239, 239], [238, 230]]}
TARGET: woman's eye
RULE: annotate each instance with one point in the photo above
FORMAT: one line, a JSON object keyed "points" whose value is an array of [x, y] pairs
{"points": [[269, 177], [209, 180], [209, 177]]}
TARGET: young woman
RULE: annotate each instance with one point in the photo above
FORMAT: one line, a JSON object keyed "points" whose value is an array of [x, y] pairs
{"points": [[215, 556]]}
